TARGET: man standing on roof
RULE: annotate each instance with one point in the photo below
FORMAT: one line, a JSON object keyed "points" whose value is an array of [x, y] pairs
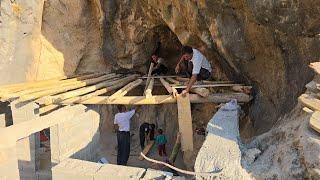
{"points": [[193, 64], [122, 127]]}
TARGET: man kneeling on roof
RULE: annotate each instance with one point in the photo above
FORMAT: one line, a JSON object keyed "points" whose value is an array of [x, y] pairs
{"points": [[160, 66], [193, 64]]}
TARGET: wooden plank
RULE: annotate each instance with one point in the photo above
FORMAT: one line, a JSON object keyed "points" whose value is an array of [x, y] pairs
{"points": [[185, 122], [117, 84], [57, 84], [145, 77], [123, 91], [315, 66], [46, 109], [78, 92], [148, 91], [173, 81], [49, 92], [148, 77], [207, 85], [166, 85], [204, 81], [314, 121], [33, 84], [204, 92], [147, 149], [164, 99], [310, 101]]}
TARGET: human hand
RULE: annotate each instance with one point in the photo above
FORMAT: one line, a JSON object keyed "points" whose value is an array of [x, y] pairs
{"points": [[184, 92]]}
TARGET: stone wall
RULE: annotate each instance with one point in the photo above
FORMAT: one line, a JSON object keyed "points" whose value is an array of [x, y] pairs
{"points": [[77, 138]]}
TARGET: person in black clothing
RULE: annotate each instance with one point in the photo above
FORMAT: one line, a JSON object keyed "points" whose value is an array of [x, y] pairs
{"points": [[146, 130], [160, 66]]}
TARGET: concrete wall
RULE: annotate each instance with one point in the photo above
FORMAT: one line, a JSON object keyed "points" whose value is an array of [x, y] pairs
{"points": [[77, 138], [80, 170]]}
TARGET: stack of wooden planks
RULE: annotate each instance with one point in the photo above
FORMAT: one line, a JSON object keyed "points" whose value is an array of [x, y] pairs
{"points": [[77, 88], [311, 98], [89, 88]]}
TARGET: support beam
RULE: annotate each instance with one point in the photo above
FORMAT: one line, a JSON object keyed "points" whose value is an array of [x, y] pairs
{"points": [[33, 84], [165, 99], [49, 92], [309, 101], [78, 92], [54, 85], [207, 85], [123, 91], [173, 80], [148, 77], [148, 91], [314, 121], [185, 122], [204, 81], [145, 77], [204, 92], [167, 86], [117, 84]]}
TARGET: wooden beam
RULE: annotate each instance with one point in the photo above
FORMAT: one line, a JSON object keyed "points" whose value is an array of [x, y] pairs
{"points": [[54, 85], [78, 92], [49, 92], [204, 81], [34, 84], [314, 121], [145, 77], [123, 91], [167, 86], [149, 89], [147, 149], [117, 84], [315, 66], [310, 101], [148, 77], [185, 122], [173, 81], [164, 99], [204, 92], [207, 85], [49, 108]]}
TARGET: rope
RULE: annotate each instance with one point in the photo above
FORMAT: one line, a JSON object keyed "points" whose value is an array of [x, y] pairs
{"points": [[174, 168]]}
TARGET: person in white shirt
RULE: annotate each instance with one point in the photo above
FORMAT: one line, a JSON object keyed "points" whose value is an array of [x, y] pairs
{"points": [[193, 64], [122, 127]]}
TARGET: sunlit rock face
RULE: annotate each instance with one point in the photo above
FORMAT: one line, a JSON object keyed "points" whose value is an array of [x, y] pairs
{"points": [[267, 44]]}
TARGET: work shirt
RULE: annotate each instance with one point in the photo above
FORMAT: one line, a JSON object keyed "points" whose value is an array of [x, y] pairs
{"points": [[123, 120], [199, 61], [161, 139]]}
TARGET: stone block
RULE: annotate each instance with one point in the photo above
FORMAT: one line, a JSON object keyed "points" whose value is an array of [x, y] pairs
{"points": [[110, 171], [75, 169]]}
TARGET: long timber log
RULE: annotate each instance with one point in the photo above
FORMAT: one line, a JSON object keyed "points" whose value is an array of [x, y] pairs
{"points": [[49, 92], [54, 85], [78, 92], [123, 91], [35, 84], [207, 85], [117, 84], [204, 92], [148, 77], [165, 99], [149, 89], [167, 86]]}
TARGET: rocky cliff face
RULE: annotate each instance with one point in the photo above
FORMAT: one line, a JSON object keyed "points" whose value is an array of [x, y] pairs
{"points": [[264, 43], [267, 44]]}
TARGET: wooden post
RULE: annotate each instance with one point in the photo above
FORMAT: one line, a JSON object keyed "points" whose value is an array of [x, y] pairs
{"points": [[149, 74], [185, 122], [148, 91]]}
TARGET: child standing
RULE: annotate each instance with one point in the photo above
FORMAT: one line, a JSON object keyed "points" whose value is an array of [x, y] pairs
{"points": [[161, 141]]}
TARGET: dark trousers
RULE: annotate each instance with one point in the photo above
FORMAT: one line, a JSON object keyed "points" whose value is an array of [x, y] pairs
{"points": [[162, 149], [162, 69], [142, 132], [123, 147], [186, 69]]}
